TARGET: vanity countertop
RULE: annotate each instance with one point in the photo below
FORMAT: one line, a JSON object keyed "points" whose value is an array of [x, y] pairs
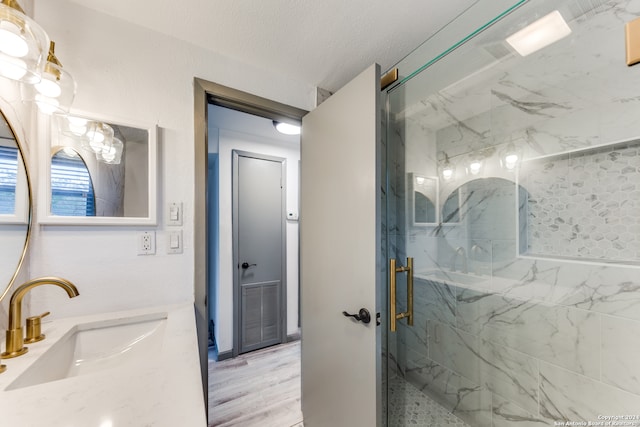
{"points": [[162, 391]]}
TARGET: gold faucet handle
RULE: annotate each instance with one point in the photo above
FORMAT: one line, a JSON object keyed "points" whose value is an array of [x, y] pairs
{"points": [[34, 333]]}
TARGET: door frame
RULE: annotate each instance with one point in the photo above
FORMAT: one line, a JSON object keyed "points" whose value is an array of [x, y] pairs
{"points": [[204, 93], [236, 257]]}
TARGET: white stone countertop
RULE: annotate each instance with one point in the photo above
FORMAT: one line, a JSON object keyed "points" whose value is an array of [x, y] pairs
{"points": [[163, 391]]}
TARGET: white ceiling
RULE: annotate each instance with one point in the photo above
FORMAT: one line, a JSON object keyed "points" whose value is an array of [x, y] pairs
{"points": [[322, 43]]}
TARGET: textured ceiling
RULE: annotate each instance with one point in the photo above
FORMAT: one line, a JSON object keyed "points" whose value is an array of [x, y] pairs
{"points": [[322, 43]]}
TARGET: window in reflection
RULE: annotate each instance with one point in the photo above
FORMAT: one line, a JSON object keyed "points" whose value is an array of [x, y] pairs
{"points": [[72, 191], [8, 179]]}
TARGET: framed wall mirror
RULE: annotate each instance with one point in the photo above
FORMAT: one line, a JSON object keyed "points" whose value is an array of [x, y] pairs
{"points": [[424, 199], [15, 206], [99, 172]]}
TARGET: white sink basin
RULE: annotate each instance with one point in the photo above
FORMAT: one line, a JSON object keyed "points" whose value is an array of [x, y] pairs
{"points": [[94, 347]]}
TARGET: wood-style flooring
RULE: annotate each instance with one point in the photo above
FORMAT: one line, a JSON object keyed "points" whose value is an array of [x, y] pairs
{"points": [[261, 388]]}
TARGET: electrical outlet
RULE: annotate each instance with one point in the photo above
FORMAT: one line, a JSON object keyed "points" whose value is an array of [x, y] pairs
{"points": [[147, 243]]}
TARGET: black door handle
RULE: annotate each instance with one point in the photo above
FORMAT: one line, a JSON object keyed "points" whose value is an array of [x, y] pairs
{"points": [[362, 316], [246, 265]]}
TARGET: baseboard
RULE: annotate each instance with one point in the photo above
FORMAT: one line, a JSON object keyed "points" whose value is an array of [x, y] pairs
{"points": [[293, 337], [224, 355]]}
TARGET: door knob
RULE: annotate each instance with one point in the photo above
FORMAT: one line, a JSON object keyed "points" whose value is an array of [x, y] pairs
{"points": [[246, 265], [362, 316]]}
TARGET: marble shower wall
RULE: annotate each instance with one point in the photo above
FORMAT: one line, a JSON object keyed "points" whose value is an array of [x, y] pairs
{"points": [[520, 340]]}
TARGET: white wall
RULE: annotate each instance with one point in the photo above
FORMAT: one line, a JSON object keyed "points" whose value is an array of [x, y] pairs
{"points": [[257, 135], [134, 75]]}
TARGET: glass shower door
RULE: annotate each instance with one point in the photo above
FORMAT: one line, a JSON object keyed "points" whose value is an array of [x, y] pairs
{"points": [[513, 183]]}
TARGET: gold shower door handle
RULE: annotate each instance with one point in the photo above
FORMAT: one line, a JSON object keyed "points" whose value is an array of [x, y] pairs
{"points": [[393, 270]]}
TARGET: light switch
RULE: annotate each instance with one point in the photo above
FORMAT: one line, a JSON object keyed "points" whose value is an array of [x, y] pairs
{"points": [[174, 213], [175, 243]]}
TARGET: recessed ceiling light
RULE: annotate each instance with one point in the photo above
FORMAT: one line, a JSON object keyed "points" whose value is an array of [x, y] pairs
{"points": [[541, 33], [286, 128]]}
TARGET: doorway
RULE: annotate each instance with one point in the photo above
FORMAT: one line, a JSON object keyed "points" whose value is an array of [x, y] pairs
{"points": [[208, 95]]}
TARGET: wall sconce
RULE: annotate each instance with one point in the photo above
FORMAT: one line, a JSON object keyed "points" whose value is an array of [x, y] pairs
{"points": [[447, 169], [56, 90], [23, 44]]}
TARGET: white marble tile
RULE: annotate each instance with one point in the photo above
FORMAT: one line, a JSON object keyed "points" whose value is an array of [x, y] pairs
{"points": [[565, 336], [620, 349], [510, 374], [454, 349], [507, 414], [566, 396]]}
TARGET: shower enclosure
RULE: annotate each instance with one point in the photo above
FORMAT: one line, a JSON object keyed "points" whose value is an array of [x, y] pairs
{"points": [[513, 184]]}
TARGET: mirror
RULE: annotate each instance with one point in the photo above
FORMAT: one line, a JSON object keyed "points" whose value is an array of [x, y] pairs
{"points": [[100, 172], [490, 213], [15, 206], [424, 198]]}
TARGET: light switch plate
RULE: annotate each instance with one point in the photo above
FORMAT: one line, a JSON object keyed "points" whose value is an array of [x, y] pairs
{"points": [[175, 244], [174, 213]]}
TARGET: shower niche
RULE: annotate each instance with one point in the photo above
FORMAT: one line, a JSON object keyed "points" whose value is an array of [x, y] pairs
{"points": [[583, 205]]}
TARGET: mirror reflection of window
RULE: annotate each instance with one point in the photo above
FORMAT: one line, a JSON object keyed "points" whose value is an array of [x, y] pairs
{"points": [[8, 179], [72, 192]]}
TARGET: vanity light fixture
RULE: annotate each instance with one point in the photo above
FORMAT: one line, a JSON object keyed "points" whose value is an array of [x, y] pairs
{"points": [[447, 170], [420, 180], [56, 90], [23, 44], [539, 34], [287, 128]]}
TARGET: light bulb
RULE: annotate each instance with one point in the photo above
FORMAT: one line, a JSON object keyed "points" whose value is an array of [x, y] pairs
{"points": [[12, 68], [419, 180], [475, 166], [11, 43], [48, 87], [287, 128], [46, 105], [510, 161], [77, 125], [109, 153], [447, 173]]}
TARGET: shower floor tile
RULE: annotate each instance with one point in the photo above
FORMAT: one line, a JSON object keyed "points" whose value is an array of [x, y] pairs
{"points": [[408, 406]]}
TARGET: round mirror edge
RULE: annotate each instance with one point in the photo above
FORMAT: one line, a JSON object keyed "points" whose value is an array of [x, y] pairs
{"points": [[18, 138]]}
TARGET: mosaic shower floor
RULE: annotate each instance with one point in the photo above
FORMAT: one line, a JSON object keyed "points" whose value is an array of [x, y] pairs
{"points": [[408, 406]]}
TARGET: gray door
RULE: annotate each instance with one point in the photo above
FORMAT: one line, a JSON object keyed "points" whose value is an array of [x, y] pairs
{"points": [[259, 247], [340, 234]]}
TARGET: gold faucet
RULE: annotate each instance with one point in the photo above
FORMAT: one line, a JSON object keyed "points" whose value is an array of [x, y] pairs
{"points": [[15, 340]]}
